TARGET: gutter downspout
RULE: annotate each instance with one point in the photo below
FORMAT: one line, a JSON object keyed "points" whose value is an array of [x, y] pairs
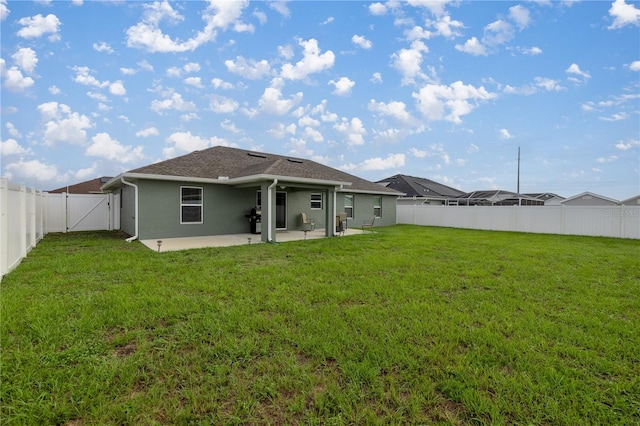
{"points": [[269, 202], [135, 196]]}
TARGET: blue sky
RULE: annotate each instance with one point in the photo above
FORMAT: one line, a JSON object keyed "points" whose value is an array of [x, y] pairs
{"points": [[445, 90]]}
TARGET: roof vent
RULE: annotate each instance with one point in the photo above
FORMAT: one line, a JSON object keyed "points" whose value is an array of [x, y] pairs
{"points": [[253, 154], [294, 161]]}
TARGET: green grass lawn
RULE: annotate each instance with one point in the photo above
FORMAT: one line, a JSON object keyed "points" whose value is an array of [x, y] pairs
{"points": [[407, 325]]}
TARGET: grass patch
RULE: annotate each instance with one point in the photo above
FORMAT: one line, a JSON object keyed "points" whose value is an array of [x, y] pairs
{"points": [[407, 325]]}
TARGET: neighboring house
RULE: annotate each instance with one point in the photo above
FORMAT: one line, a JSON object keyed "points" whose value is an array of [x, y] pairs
{"points": [[495, 198], [419, 190], [549, 198], [589, 199], [633, 201], [212, 192], [88, 187]]}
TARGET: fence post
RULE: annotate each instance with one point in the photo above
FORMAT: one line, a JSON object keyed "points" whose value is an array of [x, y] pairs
{"points": [[4, 226], [22, 215]]}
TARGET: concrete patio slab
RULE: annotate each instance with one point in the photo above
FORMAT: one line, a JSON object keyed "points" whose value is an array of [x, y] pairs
{"points": [[172, 244]]}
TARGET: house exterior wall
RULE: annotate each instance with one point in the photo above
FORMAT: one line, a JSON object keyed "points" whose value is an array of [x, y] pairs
{"points": [[127, 210], [224, 210], [363, 209], [589, 200]]}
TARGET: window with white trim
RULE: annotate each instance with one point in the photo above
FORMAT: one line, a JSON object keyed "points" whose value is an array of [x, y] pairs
{"points": [[348, 206], [316, 201], [377, 206], [190, 204]]}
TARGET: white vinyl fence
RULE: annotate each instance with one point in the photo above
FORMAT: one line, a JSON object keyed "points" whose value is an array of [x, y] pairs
{"points": [[614, 221], [27, 215]]}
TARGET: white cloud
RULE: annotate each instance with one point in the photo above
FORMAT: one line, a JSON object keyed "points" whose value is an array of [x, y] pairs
{"points": [[573, 71], [472, 148], [104, 146], [86, 173], [117, 88], [26, 59], [128, 71], [55, 90], [631, 143], [548, 84], [409, 62], [393, 161], [251, 69], [418, 153], [14, 81], [221, 84], [497, 33], [623, 14], [145, 133], [342, 86], [184, 142], [63, 125], [520, 15], [218, 15], [83, 77], [312, 62], [145, 65], [352, 130], [222, 105], [434, 100], [377, 9], [281, 7], [634, 66], [103, 47], [191, 67], [532, 51], [361, 42], [327, 21], [12, 147], [504, 134], [280, 130], [272, 102], [4, 10], [609, 159], [97, 96], [175, 102], [473, 46], [12, 130], [36, 26], [230, 126], [447, 27], [376, 78], [395, 109], [194, 81], [34, 170], [615, 117], [313, 134]]}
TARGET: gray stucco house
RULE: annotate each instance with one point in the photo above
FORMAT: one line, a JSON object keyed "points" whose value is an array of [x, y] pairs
{"points": [[212, 192]]}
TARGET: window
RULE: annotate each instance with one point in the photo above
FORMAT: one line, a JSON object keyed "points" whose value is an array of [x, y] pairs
{"points": [[316, 201], [377, 206], [190, 204], [259, 200], [348, 206]]}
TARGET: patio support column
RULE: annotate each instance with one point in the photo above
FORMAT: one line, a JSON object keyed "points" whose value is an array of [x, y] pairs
{"points": [[330, 219], [268, 211]]}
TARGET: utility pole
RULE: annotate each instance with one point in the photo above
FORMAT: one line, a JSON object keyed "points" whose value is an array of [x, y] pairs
{"points": [[518, 191]]}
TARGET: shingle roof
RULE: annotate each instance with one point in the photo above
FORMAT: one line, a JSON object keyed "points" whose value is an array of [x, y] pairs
{"points": [[88, 187], [220, 161], [419, 187]]}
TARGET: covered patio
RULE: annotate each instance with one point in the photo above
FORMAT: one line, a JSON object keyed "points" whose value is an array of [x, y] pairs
{"points": [[187, 243]]}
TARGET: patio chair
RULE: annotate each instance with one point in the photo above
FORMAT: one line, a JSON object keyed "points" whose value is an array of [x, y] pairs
{"points": [[342, 223], [368, 223], [307, 225]]}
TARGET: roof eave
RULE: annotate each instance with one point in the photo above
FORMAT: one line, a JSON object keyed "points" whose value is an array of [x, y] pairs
{"points": [[224, 180]]}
